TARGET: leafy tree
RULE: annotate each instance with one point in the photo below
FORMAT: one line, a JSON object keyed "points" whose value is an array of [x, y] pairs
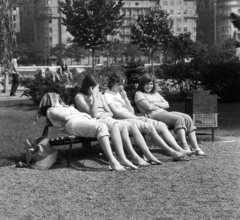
{"points": [[90, 22], [131, 51], [152, 31], [6, 35], [31, 54], [59, 52], [235, 19]]}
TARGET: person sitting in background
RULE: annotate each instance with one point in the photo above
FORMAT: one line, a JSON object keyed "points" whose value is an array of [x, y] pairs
{"points": [[65, 72], [151, 103], [73, 122], [91, 101], [119, 104]]}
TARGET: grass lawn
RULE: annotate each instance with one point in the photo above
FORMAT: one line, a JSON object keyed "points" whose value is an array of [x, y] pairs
{"points": [[205, 188]]}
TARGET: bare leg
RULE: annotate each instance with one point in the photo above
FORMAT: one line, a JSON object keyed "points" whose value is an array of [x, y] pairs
{"points": [[129, 148], [118, 145], [194, 143], [182, 138], [104, 142], [160, 142], [170, 140], [139, 140]]}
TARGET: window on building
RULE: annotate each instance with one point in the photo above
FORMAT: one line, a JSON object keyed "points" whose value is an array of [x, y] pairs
{"points": [[185, 3], [165, 3], [222, 29], [50, 21], [178, 29], [178, 2], [171, 2], [14, 17], [50, 39], [185, 20], [178, 11], [178, 20], [171, 11], [185, 11], [50, 30], [136, 3], [185, 29]]}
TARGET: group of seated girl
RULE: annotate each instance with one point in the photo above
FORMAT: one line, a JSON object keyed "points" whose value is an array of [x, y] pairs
{"points": [[111, 114]]}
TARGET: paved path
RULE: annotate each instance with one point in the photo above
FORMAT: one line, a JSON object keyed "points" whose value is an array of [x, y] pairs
{"points": [[7, 100]]}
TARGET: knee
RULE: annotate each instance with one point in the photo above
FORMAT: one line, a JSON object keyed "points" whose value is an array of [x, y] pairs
{"points": [[133, 127]]}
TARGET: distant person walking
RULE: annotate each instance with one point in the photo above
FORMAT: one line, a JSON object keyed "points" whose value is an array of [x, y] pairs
{"points": [[15, 76]]}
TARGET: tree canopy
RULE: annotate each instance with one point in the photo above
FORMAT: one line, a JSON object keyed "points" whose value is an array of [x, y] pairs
{"points": [[90, 22], [152, 31], [235, 19], [7, 39]]}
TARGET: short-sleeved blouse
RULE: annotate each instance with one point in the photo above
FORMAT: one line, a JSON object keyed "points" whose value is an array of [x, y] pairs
{"points": [[89, 101], [151, 97]]}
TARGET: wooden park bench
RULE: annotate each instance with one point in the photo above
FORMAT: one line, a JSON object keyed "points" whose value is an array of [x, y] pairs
{"points": [[67, 140]]}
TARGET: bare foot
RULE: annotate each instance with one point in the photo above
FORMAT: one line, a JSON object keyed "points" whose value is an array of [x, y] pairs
{"points": [[152, 160], [116, 166], [127, 163], [177, 154], [140, 162], [188, 152], [185, 147]]}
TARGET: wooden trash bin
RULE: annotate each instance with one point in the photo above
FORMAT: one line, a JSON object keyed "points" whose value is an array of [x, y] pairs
{"points": [[202, 107]]}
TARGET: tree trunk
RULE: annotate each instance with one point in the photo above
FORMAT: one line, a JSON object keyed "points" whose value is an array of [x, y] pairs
{"points": [[93, 60], [152, 62]]}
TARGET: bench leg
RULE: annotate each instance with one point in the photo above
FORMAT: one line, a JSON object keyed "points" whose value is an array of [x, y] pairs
{"points": [[69, 154], [212, 134]]}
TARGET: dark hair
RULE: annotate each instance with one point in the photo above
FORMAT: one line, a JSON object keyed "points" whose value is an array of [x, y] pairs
{"points": [[117, 77], [88, 81], [147, 78], [16, 55]]}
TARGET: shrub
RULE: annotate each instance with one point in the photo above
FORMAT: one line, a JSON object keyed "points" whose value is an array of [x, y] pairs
{"points": [[36, 86], [133, 72], [223, 79]]}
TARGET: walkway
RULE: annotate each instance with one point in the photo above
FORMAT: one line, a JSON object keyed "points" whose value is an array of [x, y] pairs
{"points": [[7, 100]]}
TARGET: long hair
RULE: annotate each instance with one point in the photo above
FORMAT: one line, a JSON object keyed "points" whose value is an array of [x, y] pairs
{"points": [[117, 77], [147, 78], [88, 81]]}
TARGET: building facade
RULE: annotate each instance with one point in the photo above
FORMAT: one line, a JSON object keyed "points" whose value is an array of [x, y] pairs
{"points": [[215, 25], [40, 23], [182, 12]]}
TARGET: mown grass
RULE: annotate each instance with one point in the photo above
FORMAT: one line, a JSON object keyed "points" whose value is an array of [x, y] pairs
{"points": [[205, 188]]}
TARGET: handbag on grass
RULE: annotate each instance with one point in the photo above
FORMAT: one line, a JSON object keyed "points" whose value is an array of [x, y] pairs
{"points": [[40, 154]]}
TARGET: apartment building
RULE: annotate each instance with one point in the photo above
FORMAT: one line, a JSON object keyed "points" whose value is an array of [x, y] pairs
{"points": [[132, 9], [215, 25], [40, 22], [183, 13]]}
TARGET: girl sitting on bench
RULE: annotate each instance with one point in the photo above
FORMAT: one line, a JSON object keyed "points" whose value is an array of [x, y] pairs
{"points": [[150, 102], [119, 104], [91, 101], [73, 122]]}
